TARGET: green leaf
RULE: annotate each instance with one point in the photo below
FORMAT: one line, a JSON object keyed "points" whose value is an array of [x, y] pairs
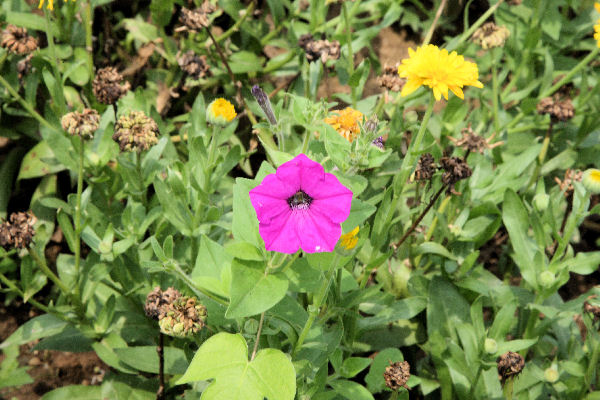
{"points": [[435, 248], [253, 292], [353, 365], [351, 390], [39, 161], [244, 251], [245, 222], [79, 392], [224, 358], [36, 328], [245, 61], [359, 212], [212, 270], [145, 358], [374, 379]]}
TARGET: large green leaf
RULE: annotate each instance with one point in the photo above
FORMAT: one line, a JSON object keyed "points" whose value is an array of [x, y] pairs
{"points": [[36, 328], [245, 222], [224, 358], [252, 291], [39, 161], [145, 358]]}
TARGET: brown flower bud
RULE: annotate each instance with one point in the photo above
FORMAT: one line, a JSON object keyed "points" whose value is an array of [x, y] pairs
{"points": [[182, 317], [193, 65], [490, 35], [107, 85], [82, 124], [195, 20], [135, 132], [323, 49], [157, 300], [456, 169], [425, 167], [396, 375], [510, 364], [559, 109], [390, 79], [18, 231], [16, 40]]}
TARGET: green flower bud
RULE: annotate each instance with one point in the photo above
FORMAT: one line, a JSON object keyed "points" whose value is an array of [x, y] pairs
{"points": [[551, 375], [547, 279], [591, 180], [490, 346], [541, 201]]}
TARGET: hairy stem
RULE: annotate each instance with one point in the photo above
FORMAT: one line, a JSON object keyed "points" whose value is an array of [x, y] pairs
{"points": [[260, 325], [160, 393], [78, 228], [438, 14]]}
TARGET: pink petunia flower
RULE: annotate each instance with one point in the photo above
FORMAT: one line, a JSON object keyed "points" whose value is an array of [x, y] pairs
{"points": [[301, 206]]}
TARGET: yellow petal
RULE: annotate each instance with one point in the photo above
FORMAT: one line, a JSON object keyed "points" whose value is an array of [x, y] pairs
{"points": [[409, 87], [458, 92], [597, 6]]}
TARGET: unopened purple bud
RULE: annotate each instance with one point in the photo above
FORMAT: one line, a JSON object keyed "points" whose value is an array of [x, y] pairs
{"points": [[264, 103], [378, 142]]}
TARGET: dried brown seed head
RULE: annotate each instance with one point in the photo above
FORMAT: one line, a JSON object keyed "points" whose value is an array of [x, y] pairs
{"points": [[510, 364], [17, 41], [107, 85], [195, 20], [490, 35], [396, 375], [390, 79], [455, 169], [471, 141], [425, 167], [82, 124], [566, 184], [24, 66], [157, 301], [319, 49], [559, 108], [193, 65], [18, 231], [135, 132], [182, 317]]}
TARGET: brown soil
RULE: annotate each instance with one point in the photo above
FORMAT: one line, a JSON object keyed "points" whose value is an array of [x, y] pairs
{"points": [[49, 369]]}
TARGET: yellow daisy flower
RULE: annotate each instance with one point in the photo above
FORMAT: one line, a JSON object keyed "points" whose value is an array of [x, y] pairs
{"points": [[597, 33], [348, 240], [597, 6], [220, 112], [50, 5], [346, 122], [439, 70]]}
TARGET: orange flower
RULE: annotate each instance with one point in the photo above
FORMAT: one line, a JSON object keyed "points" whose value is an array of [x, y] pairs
{"points": [[346, 122]]}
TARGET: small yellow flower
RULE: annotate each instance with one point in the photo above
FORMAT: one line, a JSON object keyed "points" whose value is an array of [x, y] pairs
{"points": [[591, 180], [50, 5], [597, 32], [597, 6], [346, 122], [220, 112], [439, 70], [348, 240]]}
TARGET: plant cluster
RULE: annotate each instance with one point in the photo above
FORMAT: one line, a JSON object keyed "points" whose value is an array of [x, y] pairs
{"points": [[222, 230]]}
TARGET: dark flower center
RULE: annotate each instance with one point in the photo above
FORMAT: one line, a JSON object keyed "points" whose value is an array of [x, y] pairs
{"points": [[299, 201]]}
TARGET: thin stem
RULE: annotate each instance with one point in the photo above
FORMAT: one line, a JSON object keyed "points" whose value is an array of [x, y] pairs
{"points": [[420, 218], [438, 14], [541, 156], [48, 272], [260, 325], [415, 146], [290, 262], [441, 209], [249, 10], [55, 61], [160, 393], [314, 308], [592, 365], [507, 389], [275, 66], [348, 25], [16, 289], [78, 227], [495, 92], [236, 83], [88, 37], [476, 25], [25, 104], [567, 78], [306, 141]]}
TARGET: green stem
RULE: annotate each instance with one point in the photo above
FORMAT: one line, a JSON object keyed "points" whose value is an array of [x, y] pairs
{"points": [[78, 227], [239, 22], [541, 157], [474, 384], [438, 14], [476, 25], [88, 37], [507, 390], [495, 92], [567, 78], [414, 148], [571, 225], [195, 288], [31, 300], [314, 308], [25, 104], [441, 209], [55, 61], [260, 325], [306, 141], [48, 272], [592, 365], [349, 44], [275, 66]]}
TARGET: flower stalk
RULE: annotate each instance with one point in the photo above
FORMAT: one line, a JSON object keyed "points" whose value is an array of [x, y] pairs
{"points": [[348, 23], [160, 393], [78, 228]]}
